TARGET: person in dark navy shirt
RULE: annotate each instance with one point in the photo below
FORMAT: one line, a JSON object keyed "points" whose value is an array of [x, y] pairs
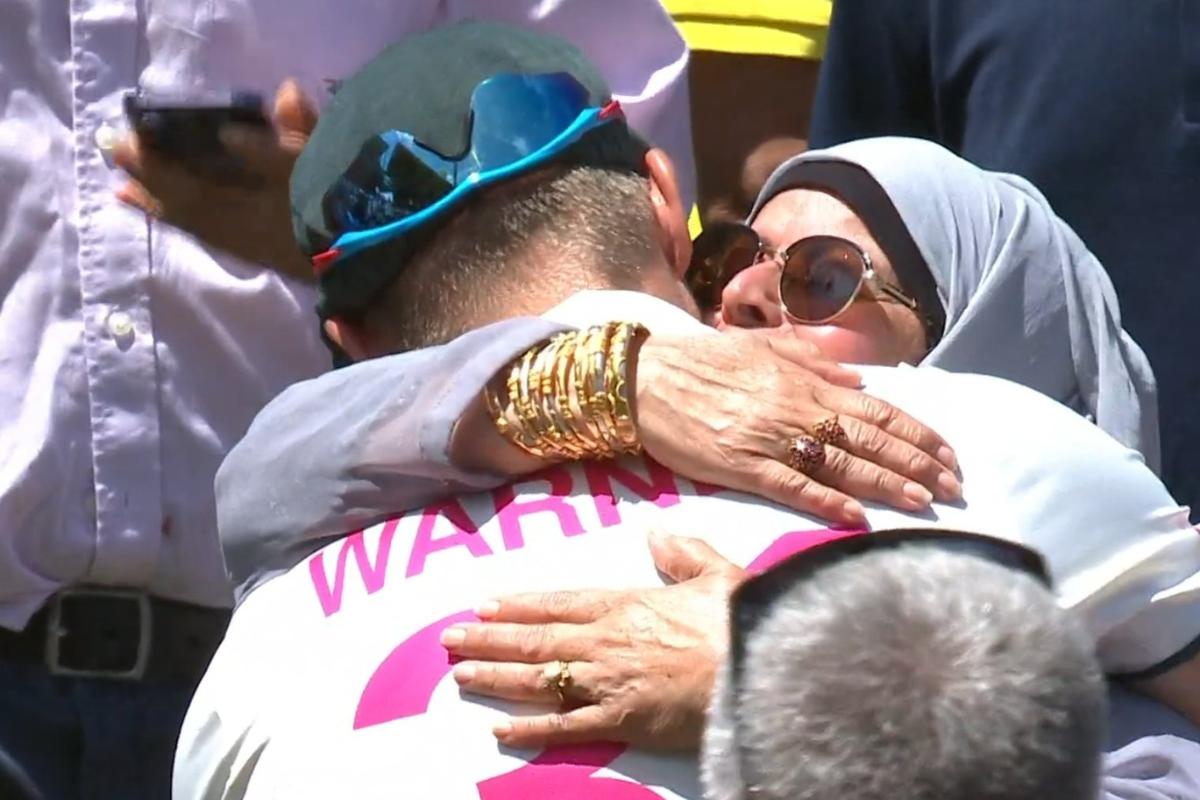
{"points": [[1095, 101]]}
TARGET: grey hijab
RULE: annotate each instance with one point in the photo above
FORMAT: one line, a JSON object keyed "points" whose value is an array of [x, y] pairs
{"points": [[1023, 298]]}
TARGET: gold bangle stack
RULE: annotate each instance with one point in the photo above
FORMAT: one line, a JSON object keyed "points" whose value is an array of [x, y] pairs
{"points": [[569, 398]]}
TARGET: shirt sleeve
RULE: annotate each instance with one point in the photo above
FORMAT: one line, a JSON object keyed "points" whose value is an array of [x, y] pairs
{"points": [[1123, 555], [354, 446], [1153, 768], [876, 78], [635, 46], [1165, 631]]}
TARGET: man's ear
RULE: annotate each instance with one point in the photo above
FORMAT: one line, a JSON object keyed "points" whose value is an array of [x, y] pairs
{"points": [[354, 341], [669, 212]]}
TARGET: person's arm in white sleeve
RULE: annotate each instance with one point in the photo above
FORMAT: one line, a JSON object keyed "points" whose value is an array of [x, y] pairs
{"points": [[636, 47], [1121, 550], [1153, 768]]}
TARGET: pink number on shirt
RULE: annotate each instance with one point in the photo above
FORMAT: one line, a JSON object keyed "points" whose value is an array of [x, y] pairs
{"points": [[403, 685]]}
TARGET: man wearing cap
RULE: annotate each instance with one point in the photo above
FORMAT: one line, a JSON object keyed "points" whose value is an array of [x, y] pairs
{"points": [[332, 680], [132, 355]]}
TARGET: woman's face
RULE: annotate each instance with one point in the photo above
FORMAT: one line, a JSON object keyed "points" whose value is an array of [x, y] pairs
{"points": [[868, 332]]}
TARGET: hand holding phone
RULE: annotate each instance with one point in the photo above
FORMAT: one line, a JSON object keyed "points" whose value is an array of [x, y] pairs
{"points": [[188, 131], [195, 166]]}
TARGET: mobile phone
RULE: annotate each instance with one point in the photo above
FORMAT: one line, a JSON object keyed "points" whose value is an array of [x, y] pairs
{"points": [[186, 129]]}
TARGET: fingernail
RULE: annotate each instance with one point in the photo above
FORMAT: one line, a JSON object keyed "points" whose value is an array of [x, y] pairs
{"points": [[502, 729], [453, 637], [853, 511], [659, 539], [947, 457], [487, 610], [918, 494], [464, 673], [950, 486]]}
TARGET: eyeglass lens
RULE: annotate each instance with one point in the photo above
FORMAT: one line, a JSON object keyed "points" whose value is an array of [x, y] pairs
{"points": [[820, 278]]}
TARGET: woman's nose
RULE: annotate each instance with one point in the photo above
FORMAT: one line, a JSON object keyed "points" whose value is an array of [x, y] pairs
{"points": [[751, 299]]}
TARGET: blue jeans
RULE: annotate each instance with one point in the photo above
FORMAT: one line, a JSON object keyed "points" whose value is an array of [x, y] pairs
{"points": [[87, 739]]}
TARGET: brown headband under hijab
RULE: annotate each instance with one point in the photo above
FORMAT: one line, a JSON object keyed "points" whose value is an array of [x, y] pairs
{"points": [[855, 187]]}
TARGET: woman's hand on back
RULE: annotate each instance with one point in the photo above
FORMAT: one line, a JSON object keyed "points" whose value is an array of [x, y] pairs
{"points": [[723, 409], [641, 661]]}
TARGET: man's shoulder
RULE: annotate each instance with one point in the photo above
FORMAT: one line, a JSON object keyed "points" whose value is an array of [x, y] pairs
{"points": [[1009, 436], [969, 400]]}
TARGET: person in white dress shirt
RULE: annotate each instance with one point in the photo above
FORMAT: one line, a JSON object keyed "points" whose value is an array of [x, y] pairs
{"points": [[132, 357]]}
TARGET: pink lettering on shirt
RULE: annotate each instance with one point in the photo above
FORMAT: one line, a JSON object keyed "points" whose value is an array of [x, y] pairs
{"points": [[510, 511], [372, 574], [660, 489], [466, 534]]}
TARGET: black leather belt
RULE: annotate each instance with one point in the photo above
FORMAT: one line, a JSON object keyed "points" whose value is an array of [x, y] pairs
{"points": [[119, 635]]}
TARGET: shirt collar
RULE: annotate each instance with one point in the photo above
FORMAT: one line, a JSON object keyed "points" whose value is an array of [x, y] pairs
{"points": [[598, 306]]}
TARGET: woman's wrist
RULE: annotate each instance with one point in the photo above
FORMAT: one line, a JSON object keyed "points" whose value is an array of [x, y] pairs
{"points": [[477, 447], [568, 398], [571, 398]]}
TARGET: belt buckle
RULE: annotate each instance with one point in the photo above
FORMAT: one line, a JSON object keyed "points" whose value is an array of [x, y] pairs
{"points": [[55, 631]]}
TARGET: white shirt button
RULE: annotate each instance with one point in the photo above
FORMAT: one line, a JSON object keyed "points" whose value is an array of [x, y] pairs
{"points": [[106, 138], [120, 325]]}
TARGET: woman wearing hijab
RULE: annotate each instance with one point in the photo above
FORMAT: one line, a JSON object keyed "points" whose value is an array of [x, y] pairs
{"points": [[971, 271]]}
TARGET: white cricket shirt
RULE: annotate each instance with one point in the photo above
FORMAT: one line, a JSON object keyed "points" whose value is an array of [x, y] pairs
{"points": [[331, 682]]}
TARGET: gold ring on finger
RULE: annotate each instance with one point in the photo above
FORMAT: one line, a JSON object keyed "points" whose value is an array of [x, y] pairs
{"points": [[557, 677], [829, 431], [805, 454]]}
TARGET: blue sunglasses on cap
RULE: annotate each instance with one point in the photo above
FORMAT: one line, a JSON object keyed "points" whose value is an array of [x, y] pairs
{"points": [[517, 122]]}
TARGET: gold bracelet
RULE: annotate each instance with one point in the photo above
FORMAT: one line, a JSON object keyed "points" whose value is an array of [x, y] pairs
{"points": [[619, 386], [569, 397], [567, 410], [598, 405], [525, 410], [549, 399]]}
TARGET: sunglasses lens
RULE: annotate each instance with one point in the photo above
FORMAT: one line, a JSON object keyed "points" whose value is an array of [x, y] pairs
{"points": [[395, 176], [516, 115], [821, 278], [718, 254]]}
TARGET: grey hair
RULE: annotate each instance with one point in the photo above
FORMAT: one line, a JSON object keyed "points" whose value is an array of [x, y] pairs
{"points": [[911, 674], [555, 231]]}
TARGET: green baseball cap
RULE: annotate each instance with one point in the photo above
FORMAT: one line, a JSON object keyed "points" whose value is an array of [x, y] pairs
{"points": [[423, 86]]}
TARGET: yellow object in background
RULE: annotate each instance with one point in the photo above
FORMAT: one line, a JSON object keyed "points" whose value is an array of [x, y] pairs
{"points": [[795, 28], [694, 224]]}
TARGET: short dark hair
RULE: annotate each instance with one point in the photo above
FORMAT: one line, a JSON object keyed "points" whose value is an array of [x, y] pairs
{"points": [[585, 219]]}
